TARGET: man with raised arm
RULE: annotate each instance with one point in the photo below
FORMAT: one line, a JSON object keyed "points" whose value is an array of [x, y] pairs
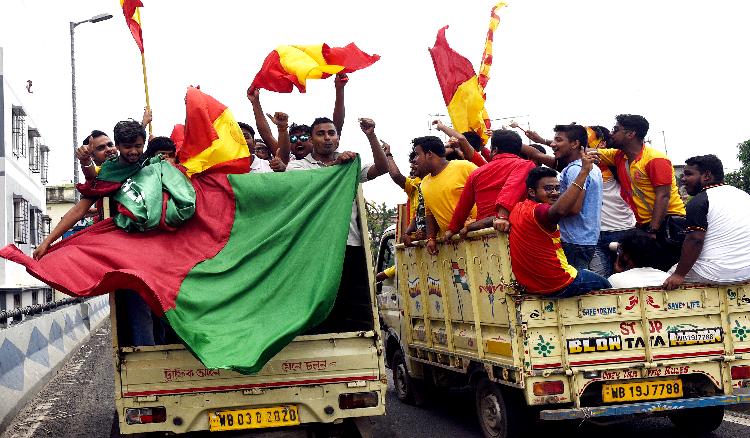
{"points": [[417, 226], [299, 135], [538, 261]]}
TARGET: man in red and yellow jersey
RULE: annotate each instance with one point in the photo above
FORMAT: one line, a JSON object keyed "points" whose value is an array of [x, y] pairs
{"points": [[646, 174], [536, 253]]}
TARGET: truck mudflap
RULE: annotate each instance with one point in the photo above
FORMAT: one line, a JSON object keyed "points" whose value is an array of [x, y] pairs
{"points": [[643, 408]]}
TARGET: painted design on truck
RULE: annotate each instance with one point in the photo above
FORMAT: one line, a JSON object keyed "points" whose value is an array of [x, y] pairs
{"points": [[544, 348], [601, 342], [433, 288], [459, 276], [490, 289], [739, 331], [679, 338]]}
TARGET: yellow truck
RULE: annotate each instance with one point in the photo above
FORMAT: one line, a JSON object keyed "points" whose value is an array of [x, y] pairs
{"points": [[325, 382], [460, 318]]}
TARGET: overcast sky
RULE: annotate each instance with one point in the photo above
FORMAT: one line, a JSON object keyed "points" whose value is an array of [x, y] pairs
{"points": [[681, 64]]}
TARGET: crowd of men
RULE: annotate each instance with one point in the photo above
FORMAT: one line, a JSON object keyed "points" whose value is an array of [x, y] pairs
{"points": [[564, 212]]}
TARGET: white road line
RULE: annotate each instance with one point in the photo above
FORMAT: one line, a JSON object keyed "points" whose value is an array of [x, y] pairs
{"points": [[737, 418]]}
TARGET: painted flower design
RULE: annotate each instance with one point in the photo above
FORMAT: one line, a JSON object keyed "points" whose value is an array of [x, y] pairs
{"points": [[740, 331], [544, 348]]}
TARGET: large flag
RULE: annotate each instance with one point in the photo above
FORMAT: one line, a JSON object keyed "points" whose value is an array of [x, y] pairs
{"points": [[291, 66], [460, 87], [212, 138], [133, 19], [259, 263], [484, 68]]}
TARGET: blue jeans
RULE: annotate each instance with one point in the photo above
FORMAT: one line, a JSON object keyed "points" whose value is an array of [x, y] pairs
{"points": [[585, 281], [140, 320], [579, 256], [603, 262]]}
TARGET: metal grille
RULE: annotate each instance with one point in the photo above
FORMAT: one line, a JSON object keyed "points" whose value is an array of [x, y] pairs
{"points": [[34, 153], [20, 219], [19, 132]]}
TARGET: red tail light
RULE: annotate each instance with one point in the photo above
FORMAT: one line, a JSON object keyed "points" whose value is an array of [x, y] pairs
{"points": [[357, 400], [742, 372], [549, 388], [145, 415]]}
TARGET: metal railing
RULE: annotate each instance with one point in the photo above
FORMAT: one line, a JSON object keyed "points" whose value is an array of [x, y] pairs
{"points": [[8, 316]]}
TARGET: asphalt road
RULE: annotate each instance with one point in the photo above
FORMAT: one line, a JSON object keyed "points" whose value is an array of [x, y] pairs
{"points": [[78, 402]]}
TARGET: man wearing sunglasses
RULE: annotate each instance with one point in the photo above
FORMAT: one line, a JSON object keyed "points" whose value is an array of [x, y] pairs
{"points": [[538, 262], [299, 135]]}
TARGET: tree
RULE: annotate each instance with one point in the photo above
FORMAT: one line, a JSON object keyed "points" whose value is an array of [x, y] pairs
{"points": [[741, 177], [379, 218]]}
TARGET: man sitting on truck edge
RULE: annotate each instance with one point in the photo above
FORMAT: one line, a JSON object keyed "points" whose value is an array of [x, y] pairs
{"points": [[537, 258], [495, 187], [718, 233], [442, 185]]}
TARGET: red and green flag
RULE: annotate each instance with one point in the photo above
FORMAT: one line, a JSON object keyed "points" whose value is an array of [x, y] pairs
{"points": [[259, 262]]}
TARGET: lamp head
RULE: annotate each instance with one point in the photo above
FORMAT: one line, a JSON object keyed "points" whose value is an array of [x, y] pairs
{"points": [[100, 17]]}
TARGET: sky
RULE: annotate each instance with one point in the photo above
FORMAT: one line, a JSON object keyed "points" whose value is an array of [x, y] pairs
{"points": [[681, 64]]}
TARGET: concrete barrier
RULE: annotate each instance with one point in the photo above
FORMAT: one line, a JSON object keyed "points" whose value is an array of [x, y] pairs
{"points": [[32, 351]]}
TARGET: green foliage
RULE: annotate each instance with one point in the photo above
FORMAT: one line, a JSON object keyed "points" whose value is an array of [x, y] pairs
{"points": [[741, 177], [379, 218]]}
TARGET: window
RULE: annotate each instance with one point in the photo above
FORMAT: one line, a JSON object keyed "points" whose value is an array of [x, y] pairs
{"points": [[46, 226], [36, 226], [34, 298], [20, 219], [47, 295], [16, 300], [44, 163], [19, 132], [35, 141]]}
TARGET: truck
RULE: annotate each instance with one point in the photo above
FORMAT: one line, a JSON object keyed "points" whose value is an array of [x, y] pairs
{"points": [[326, 381], [460, 318]]}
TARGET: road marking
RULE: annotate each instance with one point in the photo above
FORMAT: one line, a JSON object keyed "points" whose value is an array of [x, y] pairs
{"points": [[737, 418]]}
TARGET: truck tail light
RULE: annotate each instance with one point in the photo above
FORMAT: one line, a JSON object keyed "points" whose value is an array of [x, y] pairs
{"points": [[742, 372], [145, 415], [549, 388], [358, 400]]}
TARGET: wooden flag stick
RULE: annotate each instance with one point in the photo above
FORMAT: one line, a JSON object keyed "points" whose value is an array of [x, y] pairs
{"points": [[145, 87]]}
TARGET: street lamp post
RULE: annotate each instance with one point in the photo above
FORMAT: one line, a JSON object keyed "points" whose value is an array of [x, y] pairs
{"points": [[94, 19]]}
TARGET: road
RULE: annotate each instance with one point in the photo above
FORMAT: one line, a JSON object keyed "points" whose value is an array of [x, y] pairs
{"points": [[78, 402]]}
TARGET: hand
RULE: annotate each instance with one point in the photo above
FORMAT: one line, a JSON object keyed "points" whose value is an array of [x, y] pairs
{"points": [[432, 246], [40, 250], [147, 116], [345, 157], [448, 235], [281, 120], [420, 235], [673, 282], [386, 147], [514, 124], [340, 81], [587, 161], [253, 95], [83, 153], [406, 239], [533, 136], [367, 126], [501, 224], [276, 163], [438, 124], [453, 142], [464, 232]]}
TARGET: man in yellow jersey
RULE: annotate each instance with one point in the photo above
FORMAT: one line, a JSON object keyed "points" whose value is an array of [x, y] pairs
{"points": [[442, 185]]}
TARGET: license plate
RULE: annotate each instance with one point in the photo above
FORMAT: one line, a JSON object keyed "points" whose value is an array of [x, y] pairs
{"points": [[274, 416], [649, 390]]}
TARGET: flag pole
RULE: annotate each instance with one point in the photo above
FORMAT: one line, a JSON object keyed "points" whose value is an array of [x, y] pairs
{"points": [[145, 88]]}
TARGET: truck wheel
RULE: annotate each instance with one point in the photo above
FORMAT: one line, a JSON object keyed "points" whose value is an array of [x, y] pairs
{"points": [[700, 421], [405, 385], [499, 416]]}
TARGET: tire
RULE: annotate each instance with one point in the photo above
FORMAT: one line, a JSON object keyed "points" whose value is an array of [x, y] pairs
{"points": [[499, 415], [697, 422], [406, 387]]}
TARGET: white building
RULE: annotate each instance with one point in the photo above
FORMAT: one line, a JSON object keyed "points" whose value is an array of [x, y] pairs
{"points": [[23, 174]]}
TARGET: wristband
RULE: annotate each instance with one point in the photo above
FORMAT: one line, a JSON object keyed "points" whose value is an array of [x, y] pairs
{"points": [[577, 185], [91, 164], [505, 218]]}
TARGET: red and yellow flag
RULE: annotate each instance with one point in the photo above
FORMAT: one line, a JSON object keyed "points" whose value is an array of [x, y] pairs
{"points": [[461, 91], [133, 19], [212, 138], [484, 69], [291, 66]]}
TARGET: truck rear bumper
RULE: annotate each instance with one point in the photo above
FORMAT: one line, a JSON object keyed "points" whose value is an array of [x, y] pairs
{"points": [[643, 408]]}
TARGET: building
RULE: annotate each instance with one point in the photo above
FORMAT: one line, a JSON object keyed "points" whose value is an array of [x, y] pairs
{"points": [[23, 175]]}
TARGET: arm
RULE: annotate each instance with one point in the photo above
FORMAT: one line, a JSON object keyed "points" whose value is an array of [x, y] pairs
{"points": [[393, 169], [147, 117], [466, 148], [661, 204], [568, 200], [281, 120], [691, 250], [264, 130], [378, 154], [432, 230], [76, 213], [538, 157], [339, 111], [531, 135]]}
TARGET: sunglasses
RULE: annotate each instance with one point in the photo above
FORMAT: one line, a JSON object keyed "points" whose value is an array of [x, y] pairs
{"points": [[551, 188], [619, 128], [298, 138]]}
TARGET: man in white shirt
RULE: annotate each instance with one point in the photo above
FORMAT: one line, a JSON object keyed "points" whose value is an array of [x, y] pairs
{"points": [[635, 263], [717, 229]]}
